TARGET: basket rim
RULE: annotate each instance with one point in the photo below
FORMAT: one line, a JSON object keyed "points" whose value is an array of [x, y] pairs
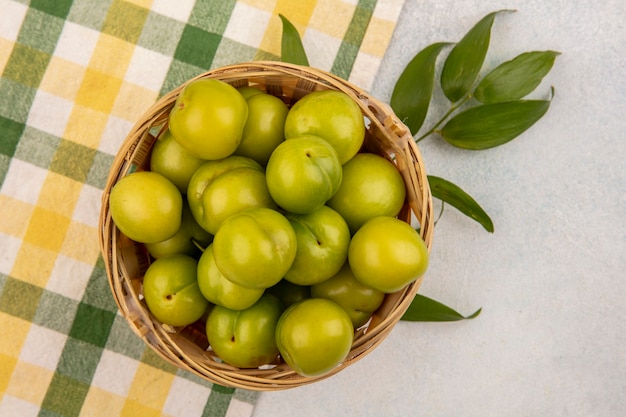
{"points": [[409, 161]]}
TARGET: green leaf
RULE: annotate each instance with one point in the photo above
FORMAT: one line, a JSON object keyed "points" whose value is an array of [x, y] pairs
{"points": [[414, 88], [456, 197], [490, 125], [466, 59], [292, 50], [426, 309], [516, 78]]}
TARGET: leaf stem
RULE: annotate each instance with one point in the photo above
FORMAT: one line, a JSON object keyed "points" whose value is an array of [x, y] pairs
{"points": [[445, 116]]}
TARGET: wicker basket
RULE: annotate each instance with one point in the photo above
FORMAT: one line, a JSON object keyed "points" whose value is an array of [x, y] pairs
{"points": [[126, 261]]}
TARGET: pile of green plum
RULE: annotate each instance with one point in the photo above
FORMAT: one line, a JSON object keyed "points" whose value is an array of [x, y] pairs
{"points": [[270, 223]]}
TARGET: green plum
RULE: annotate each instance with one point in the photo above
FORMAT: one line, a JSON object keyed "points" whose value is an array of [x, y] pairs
{"points": [[245, 338], [219, 189], [387, 254], [264, 129], [172, 161], [314, 336], [208, 118], [322, 246], [371, 186], [255, 248], [358, 300], [289, 293], [170, 288], [249, 91], [331, 115], [146, 207], [219, 290], [303, 173], [187, 241]]}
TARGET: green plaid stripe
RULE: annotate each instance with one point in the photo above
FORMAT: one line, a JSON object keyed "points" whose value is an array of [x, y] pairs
{"points": [[344, 61], [64, 398], [88, 13], [11, 137], [25, 56], [17, 298], [198, 42], [40, 30], [3, 280], [160, 33], [125, 21], [37, 147], [58, 8], [16, 97], [64, 80]]}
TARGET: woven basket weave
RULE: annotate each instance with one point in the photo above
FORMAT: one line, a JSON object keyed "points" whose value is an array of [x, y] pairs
{"points": [[126, 260]]}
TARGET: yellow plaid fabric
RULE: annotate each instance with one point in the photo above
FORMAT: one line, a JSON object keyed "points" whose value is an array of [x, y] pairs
{"points": [[74, 77]]}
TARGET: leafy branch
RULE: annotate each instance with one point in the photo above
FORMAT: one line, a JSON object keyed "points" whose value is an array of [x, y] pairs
{"points": [[497, 113], [483, 113]]}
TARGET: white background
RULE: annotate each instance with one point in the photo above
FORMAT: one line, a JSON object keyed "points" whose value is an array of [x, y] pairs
{"points": [[551, 340]]}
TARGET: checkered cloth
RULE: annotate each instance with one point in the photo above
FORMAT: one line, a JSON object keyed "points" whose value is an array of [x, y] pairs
{"points": [[75, 76]]}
